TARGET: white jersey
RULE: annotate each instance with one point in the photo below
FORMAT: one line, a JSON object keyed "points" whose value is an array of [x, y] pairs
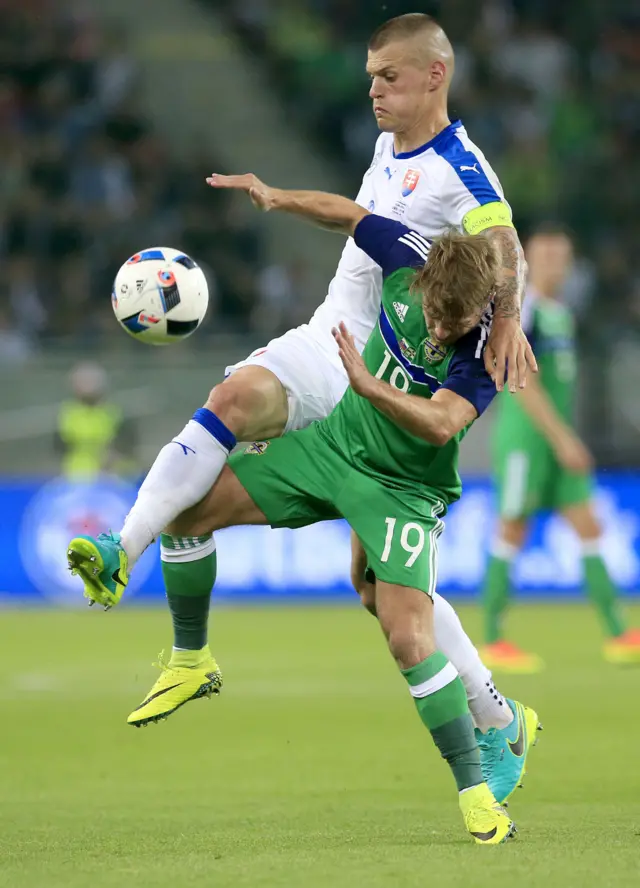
{"points": [[445, 183], [430, 190]]}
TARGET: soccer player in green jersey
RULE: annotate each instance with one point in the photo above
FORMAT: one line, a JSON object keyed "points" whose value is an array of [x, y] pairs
{"points": [[386, 460], [541, 463]]}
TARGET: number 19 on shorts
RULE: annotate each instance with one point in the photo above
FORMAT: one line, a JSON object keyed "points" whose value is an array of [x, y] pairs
{"points": [[411, 540]]}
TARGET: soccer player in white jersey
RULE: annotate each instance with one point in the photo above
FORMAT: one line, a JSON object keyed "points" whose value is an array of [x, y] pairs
{"points": [[427, 173]]}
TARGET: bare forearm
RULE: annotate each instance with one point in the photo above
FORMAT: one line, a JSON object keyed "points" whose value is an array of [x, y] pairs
{"points": [[330, 211], [513, 271], [542, 413], [424, 419]]}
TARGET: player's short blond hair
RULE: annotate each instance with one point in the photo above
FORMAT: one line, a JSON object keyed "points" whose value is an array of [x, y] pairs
{"points": [[458, 279]]}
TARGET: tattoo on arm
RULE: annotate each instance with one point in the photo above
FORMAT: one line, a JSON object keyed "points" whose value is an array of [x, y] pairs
{"points": [[512, 274]]}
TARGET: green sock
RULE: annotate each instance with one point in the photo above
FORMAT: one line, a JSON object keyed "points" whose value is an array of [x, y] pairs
{"points": [[603, 594], [189, 571], [495, 596], [441, 701]]}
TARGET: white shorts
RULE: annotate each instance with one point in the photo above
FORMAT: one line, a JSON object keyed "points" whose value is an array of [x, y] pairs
{"points": [[314, 384]]}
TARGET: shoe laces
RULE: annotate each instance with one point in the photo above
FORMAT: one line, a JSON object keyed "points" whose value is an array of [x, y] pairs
{"points": [[491, 752], [163, 664]]}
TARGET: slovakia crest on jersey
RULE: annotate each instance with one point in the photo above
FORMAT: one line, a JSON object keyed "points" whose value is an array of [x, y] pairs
{"points": [[411, 179]]}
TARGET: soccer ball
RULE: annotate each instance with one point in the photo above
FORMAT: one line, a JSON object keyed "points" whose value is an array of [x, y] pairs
{"points": [[160, 296]]}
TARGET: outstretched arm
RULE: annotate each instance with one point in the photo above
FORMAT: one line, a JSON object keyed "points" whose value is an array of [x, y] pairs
{"points": [[435, 420], [508, 347], [330, 211]]}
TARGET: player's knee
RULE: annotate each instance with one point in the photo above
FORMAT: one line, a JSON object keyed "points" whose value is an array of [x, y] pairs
{"points": [[251, 402], [408, 646], [232, 403]]}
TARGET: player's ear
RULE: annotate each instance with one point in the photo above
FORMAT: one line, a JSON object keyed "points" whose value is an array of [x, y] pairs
{"points": [[437, 74]]}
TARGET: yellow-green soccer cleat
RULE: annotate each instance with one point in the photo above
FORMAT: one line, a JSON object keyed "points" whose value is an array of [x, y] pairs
{"points": [[175, 687], [103, 565], [484, 818]]}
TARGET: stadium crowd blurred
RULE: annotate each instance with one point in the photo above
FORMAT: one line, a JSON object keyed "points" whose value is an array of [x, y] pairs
{"points": [[549, 90], [82, 177]]}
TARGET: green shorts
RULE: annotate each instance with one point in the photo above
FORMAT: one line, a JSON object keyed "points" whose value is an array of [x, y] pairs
{"points": [[530, 479], [301, 479]]}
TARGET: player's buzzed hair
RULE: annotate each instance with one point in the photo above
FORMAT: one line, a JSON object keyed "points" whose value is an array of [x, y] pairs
{"points": [[417, 26], [401, 27], [458, 278]]}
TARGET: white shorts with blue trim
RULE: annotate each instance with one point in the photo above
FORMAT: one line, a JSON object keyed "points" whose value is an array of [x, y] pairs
{"points": [[313, 382]]}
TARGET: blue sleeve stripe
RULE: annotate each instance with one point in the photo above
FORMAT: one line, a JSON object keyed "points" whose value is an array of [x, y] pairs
{"points": [[468, 169], [216, 428]]}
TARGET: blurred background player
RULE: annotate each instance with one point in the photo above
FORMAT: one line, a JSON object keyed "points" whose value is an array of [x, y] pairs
{"points": [[92, 435], [539, 462]]}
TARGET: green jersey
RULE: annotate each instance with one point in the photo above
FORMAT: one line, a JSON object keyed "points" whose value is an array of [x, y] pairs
{"points": [[400, 352], [550, 328]]}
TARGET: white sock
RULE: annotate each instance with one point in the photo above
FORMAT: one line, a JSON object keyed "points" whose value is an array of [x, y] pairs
{"points": [[488, 707], [591, 548], [183, 473]]}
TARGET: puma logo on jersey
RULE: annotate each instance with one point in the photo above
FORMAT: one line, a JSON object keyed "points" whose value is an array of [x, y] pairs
{"points": [[401, 310], [389, 172], [474, 168]]}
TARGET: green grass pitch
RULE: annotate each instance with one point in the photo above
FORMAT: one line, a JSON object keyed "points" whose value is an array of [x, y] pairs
{"points": [[311, 769]]}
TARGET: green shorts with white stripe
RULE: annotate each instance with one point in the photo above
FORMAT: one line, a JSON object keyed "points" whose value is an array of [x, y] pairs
{"points": [[530, 479], [300, 479]]}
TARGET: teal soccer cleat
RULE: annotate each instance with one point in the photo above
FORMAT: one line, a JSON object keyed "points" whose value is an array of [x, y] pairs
{"points": [[503, 752], [103, 565]]}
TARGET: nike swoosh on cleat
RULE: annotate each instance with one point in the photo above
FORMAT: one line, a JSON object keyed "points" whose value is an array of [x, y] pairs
{"points": [[115, 576], [484, 837], [157, 694], [517, 746]]}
